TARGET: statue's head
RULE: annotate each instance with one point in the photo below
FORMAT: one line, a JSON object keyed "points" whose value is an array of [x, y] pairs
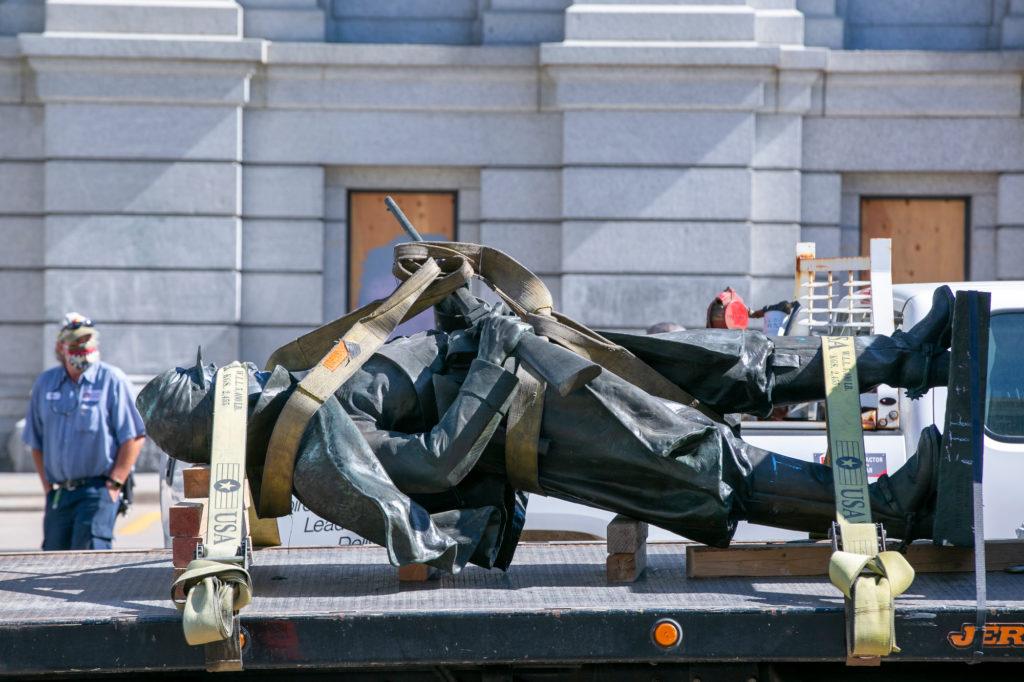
{"points": [[448, 317]]}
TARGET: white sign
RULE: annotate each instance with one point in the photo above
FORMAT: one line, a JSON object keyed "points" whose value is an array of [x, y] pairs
{"points": [[303, 528]]}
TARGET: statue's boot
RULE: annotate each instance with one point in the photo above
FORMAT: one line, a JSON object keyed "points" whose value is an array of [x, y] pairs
{"points": [[916, 360], [790, 493], [732, 371]]}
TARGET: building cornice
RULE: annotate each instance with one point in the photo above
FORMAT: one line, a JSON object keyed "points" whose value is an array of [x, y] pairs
{"points": [[877, 61], [138, 47], [349, 54]]}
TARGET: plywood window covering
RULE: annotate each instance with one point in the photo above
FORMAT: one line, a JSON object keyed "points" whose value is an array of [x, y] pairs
{"points": [[373, 233], [929, 236]]}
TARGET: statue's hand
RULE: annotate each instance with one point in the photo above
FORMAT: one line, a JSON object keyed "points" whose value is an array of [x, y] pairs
{"points": [[499, 336]]}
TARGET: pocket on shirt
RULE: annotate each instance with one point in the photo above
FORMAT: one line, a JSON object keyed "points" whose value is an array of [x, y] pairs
{"points": [[88, 417]]}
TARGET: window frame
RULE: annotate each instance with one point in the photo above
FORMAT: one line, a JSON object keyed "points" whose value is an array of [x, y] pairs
{"points": [[1002, 438]]}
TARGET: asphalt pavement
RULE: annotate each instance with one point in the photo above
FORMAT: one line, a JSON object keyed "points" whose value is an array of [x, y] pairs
{"points": [[21, 515]]}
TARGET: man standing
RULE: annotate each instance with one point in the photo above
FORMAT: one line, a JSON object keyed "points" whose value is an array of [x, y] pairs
{"points": [[85, 435]]}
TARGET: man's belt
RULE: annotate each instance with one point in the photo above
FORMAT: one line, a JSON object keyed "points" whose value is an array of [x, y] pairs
{"points": [[74, 483]]}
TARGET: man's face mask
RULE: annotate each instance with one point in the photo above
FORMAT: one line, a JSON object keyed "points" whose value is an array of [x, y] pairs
{"points": [[82, 355]]}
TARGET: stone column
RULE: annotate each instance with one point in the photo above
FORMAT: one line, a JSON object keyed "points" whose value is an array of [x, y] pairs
{"points": [[1012, 27], [820, 215], [142, 188], [522, 21], [288, 20], [21, 242], [1010, 230], [520, 211], [823, 26], [282, 256], [681, 156]]}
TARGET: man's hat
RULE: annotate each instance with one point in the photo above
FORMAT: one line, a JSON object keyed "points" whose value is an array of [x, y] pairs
{"points": [[78, 334]]}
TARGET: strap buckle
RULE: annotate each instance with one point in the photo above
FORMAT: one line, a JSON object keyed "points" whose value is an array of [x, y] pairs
{"points": [[835, 534]]}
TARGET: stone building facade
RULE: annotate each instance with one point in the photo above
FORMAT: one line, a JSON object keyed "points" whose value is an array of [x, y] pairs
{"points": [[180, 169]]}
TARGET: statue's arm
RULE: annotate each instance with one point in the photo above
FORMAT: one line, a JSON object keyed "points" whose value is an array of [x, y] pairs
{"points": [[435, 460]]}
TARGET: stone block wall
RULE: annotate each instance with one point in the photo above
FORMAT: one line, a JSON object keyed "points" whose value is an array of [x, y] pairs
{"points": [[22, 251], [191, 191]]}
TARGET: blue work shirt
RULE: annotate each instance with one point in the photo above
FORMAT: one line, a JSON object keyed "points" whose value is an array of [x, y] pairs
{"points": [[80, 426]]}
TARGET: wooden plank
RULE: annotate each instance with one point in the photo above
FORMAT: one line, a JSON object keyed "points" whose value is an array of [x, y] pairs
{"points": [[414, 573], [626, 535], [626, 568], [811, 559], [373, 231], [530, 535], [196, 482], [928, 236]]}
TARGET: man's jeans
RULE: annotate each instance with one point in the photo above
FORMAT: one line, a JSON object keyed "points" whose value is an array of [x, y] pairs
{"points": [[82, 518]]}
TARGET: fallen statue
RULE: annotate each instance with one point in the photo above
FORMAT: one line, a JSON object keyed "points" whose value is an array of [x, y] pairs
{"points": [[412, 451]]}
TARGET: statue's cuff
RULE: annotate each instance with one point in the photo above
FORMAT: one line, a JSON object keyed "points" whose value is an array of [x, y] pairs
{"points": [[490, 383]]}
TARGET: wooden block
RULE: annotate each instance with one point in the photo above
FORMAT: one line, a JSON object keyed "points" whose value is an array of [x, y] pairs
{"points": [[197, 482], [626, 535], [811, 558], [413, 573], [185, 520], [177, 593], [183, 550], [626, 567], [758, 560]]}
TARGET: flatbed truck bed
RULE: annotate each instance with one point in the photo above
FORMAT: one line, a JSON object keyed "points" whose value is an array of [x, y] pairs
{"points": [[333, 608]]}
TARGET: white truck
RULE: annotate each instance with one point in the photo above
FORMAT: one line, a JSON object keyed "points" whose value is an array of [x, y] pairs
{"points": [[888, 447]]}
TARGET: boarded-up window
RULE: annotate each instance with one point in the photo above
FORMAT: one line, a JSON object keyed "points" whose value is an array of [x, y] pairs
{"points": [[373, 233], [929, 237]]}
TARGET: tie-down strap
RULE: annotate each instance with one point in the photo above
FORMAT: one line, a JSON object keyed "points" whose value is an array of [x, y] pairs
{"points": [[522, 438], [530, 299], [214, 592], [869, 579]]}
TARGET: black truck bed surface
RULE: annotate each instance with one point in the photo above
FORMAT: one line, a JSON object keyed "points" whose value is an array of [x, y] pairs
{"points": [[337, 607]]}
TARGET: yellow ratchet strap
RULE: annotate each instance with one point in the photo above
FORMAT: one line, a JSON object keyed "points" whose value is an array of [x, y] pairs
{"points": [[217, 586], [869, 579]]}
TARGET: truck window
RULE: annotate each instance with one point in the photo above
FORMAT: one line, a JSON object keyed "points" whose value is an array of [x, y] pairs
{"points": [[1005, 398]]}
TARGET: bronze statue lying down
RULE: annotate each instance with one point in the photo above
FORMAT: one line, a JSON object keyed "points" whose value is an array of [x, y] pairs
{"points": [[409, 451]]}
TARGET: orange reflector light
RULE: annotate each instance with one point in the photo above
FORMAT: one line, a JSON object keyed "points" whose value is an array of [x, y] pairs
{"points": [[666, 633]]}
